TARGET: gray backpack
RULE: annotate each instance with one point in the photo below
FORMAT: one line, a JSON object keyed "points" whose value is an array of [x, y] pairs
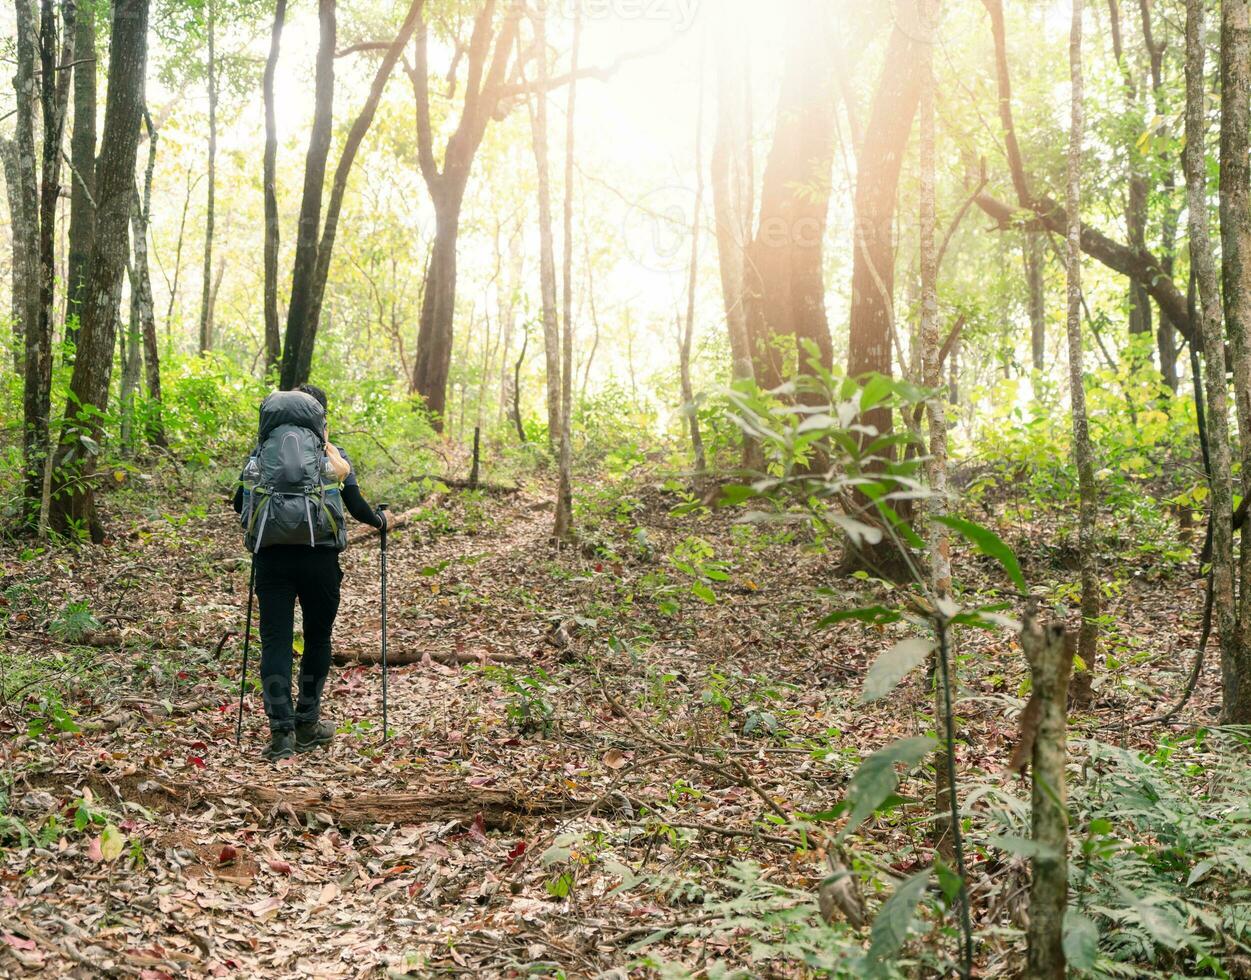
{"points": [[289, 494]]}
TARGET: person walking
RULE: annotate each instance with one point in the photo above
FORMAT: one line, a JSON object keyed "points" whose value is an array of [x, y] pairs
{"points": [[291, 497]]}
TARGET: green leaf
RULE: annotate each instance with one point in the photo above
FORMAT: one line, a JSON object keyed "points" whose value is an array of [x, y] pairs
{"points": [[893, 666], [890, 928], [112, 841], [875, 780], [736, 494], [1081, 940], [988, 543], [703, 592], [1021, 846]]}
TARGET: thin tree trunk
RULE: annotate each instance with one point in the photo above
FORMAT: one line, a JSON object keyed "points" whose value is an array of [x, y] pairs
{"points": [[936, 412], [686, 333], [173, 285], [73, 500], [132, 364], [19, 282], [521, 359], [206, 297], [564, 530], [141, 219], [1194, 162], [1235, 209], [83, 159], [1050, 658], [306, 239], [273, 334], [1083, 453], [53, 99], [1033, 249], [547, 258]]}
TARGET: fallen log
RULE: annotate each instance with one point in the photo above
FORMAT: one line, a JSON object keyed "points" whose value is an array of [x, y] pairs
{"points": [[500, 809], [449, 658]]}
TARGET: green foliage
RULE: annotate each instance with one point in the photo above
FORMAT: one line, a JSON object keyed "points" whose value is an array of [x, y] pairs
{"points": [[74, 622]]}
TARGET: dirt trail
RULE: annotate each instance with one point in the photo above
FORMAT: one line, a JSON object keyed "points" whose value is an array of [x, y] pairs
{"points": [[450, 849]]}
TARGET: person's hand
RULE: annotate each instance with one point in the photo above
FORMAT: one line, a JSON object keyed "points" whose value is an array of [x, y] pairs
{"points": [[382, 516], [337, 462]]}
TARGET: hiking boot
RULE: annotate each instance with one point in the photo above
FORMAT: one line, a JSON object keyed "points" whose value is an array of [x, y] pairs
{"points": [[282, 745], [309, 737]]}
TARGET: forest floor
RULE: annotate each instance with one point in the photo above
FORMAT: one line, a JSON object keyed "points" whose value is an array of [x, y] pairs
{"points": [[584, 752]]}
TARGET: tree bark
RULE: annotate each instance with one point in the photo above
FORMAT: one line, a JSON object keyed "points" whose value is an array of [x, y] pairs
{"points": [[1235, 210], [564, 530], [73, 500], [733, 183], [141, 219], [785, 284], [1083, 452], [273, 336], [325, 249], [1036, 299], [1050, 658], [936, 412], [547, 258], [21, 284], [1220, 480], [53, 99], [306, 239], [873, 269], [206, 295], [686, 333], [83, 159], [488, 54]]}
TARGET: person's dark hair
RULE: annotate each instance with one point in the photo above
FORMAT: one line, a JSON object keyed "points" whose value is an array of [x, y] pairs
{"points": [[316, 392]]}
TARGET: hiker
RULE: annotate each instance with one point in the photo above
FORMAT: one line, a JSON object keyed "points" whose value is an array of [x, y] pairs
{"points": [[290, 498]]}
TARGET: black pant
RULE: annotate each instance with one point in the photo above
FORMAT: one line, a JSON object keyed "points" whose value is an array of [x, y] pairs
{"points": [[285, 573]]}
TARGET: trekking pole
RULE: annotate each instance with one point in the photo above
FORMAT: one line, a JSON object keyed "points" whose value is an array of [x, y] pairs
{"points": [[382, 510], [247, 639]]}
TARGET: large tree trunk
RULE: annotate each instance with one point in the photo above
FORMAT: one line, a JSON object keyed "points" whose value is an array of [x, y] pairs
{"points": [[438, 308], [873, 269], [306, 239], [22, 238], [1220, 480], [563, 530], [73, 500], [785, 275], [83, 160], [206, 295], [1235, 191], [1083, 452], [273, 336]]}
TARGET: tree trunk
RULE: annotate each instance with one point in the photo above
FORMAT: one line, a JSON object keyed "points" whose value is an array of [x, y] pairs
{"points": [[132, 365], [1220, 480], [733, 184], [564, 530], [83, 160], [73, 500], [206, 295], [438, 309], [686, 333], [1083, 453], [338, 188], [785, 285], [873, 269], [516, 406], [53, 98], [936, 413], [547, 258], [1037, 300], [306, 239], [21, 238], [273, 336], [1050, 658], [141, 218], [1235, 205]]}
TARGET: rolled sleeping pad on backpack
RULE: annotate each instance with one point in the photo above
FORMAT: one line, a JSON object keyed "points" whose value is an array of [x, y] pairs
{"points": [[291, 408]]}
